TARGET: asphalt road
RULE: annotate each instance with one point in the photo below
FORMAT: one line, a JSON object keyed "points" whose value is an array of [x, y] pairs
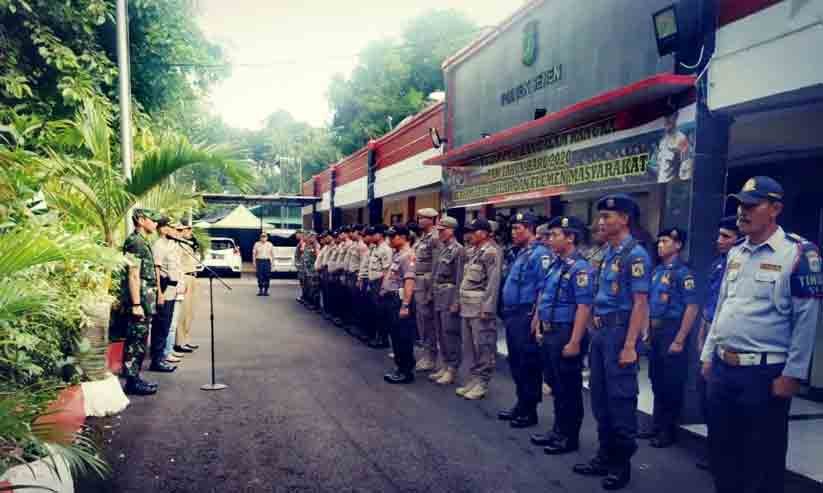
{"points": [[307, 410]]}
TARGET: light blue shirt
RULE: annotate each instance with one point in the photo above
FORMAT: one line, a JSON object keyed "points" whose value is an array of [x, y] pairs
{"points": [[673, 288], [569, 283], [769, 301]]}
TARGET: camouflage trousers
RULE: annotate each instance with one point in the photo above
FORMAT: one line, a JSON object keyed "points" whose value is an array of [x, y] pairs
{"points": [[134, 350]]}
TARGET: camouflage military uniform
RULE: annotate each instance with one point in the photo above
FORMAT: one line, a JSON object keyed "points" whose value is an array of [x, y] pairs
{"points": [[138, 253], [311, 277]]}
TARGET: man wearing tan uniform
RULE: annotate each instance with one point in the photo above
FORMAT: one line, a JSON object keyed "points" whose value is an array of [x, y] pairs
{"points": [[424, 250], [479, 292], [448, 266]]}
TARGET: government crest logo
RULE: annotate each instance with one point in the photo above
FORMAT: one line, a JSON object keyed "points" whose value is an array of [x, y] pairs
{"points": [[529, 43]]}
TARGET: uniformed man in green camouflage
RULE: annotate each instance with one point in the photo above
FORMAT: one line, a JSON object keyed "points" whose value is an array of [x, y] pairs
{"points": [[310, 275], [139, 299]]}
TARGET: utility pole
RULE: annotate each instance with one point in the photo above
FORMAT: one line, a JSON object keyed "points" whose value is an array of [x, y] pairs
{"points": [[126, 149]]}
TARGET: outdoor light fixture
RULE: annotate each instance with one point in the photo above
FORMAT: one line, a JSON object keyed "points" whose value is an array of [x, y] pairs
{"points": [[437, 141], [665, 30]]}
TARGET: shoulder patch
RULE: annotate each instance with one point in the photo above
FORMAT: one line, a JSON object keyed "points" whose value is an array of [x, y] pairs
{"points": [[545, 262], [688, 283], [638, 268], [582, 278], [806, 278]]}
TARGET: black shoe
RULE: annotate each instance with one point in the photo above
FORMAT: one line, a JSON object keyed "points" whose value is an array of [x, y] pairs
{"points": [[595, 467], [398, 376], [150, 384], [543, 439], [662, 440], [162, 367], [524, 421], [135, 386], [509, 414], [619, 479], [183, 349], [561, 445], [192, 346], [647, 434], [266, 292], [379, 344]]}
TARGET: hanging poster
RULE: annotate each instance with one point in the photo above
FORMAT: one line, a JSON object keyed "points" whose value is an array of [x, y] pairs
{"points": [[660, 151]]}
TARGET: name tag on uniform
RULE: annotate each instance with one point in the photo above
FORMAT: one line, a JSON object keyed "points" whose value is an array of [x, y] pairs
{"points": [[771, 267]]}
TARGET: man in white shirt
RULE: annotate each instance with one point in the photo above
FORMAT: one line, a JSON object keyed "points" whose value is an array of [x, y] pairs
{"points": [[262, 255]]}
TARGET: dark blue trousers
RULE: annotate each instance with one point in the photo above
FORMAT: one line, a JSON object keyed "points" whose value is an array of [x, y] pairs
{"points": [[567, 376], [748, 429], [524, 358], [614, 396], [667, 373]]}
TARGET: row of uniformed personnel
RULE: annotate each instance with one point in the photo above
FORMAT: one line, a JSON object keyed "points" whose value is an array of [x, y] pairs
{"points": [[556, 305]]}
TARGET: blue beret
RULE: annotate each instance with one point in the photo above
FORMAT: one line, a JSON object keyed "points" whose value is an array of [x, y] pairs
{"points": [[619, 202]]}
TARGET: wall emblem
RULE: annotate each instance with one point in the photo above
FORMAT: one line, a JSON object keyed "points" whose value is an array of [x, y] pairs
{"points": [[529, 43]]}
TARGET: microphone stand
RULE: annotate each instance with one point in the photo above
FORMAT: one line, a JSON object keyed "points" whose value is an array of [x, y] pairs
{"points": [[212, 276]]}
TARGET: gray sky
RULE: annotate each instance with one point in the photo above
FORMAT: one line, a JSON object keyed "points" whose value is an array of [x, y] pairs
{"points": [[310, 41]]}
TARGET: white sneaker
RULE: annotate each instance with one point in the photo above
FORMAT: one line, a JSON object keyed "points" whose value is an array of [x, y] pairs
{"points": [[436, 375], [462, 391], [477, 392], [448, 377]]}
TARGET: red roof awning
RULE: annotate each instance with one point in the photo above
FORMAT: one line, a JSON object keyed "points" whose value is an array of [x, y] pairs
{"points": [[593, 109]]}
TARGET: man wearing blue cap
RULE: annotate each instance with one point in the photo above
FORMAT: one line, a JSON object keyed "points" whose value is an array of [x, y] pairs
{"points": [[673, 309], [727, 237], [519, 295], [621, 311], [760, 343], [563, 313]]}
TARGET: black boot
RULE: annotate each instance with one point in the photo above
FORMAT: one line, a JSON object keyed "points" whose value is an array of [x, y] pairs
{"points": [[526, 420], [561, 445], [598, 466], [509, 414], [399, 377], [618, 479], [135, 386], [162, 367]]}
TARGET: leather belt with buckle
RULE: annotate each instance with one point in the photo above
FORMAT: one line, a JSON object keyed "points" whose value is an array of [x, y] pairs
{"points": [[613, 319], [733, 358]]}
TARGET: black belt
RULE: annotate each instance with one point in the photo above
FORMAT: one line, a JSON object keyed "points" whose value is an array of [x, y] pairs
{"points": [[553, 326], [662, 323], [522, 307], [192, 273], [613, 319], [171, 283]]}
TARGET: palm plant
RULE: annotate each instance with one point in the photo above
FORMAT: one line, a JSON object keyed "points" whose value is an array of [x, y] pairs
{"points": [[96, 194]]}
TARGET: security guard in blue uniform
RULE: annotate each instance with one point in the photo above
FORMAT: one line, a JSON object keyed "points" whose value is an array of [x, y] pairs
{"points": [[760, 343], [520, 291], [727, 236], [621, 310], [673, 308], [563, 313]]}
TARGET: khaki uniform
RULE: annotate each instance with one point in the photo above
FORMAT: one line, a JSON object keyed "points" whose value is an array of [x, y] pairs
{"points": [[189, 263], [424, 251], [402, 329], [448, 267], [479, 289]]}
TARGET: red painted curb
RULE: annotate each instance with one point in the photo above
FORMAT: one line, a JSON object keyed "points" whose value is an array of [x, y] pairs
{"points": [[68, 413], [114, 357]]}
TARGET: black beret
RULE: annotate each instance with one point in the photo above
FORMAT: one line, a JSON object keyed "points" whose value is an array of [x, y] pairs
{"points": [[568, 223], [619, 202], [481, 223], [675, 234], [730, 223], [398, 229]]}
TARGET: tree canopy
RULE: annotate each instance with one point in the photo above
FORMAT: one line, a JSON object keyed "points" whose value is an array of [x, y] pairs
{"points": [[394, 77]]}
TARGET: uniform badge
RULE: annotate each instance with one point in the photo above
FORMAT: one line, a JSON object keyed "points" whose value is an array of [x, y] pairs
{"points": [[564, 223], [750, 185], [688, 284], [665, 280], [638, 269], [814, 260], [615, 267], [546, 262], [582, 279], [615, 288]]}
